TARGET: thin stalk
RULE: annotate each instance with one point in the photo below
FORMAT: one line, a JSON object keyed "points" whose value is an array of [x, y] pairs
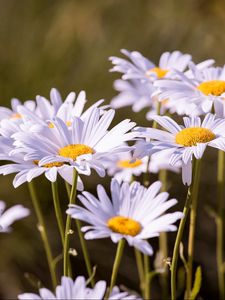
{"points": [[140, 268], [163, 245], [180, 231], [43, 232], [68, 189], [147, 283], [85, 252], [116, 264], [219, 223], [192, 228], [58, 212], [66, 270]]}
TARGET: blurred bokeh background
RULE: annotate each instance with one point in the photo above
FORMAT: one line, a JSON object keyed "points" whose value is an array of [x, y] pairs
{"points": [[66, 44]]}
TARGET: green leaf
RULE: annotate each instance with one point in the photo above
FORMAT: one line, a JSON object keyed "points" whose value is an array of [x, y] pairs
{"points": [[197, 284]]}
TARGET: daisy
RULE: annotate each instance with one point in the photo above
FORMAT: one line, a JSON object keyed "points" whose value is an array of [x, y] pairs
{"points": [[69, 289], [184, 142], [135, 214], [46, 110], [206, 86], [83, 146], [8, 217], [123, 167], [12, 113], [140, 67]]}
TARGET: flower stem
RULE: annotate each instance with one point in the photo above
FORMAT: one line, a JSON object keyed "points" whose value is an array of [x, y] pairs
{"points": [[219, 223], [140, 269], [180, 231], [58, 212], [147, 284], [116, 264], [43, 232], [192, 227], [163, 247], [66, 270]]}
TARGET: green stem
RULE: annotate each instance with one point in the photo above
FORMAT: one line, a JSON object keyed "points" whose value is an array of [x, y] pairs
{"points": [[66, 269], [180, 231], [68, 190], [58, 212], [116, 264], [140, 268], [163, 245], [147, 284], [192, 228], [85, 252], [219, 223], [43, 232]]}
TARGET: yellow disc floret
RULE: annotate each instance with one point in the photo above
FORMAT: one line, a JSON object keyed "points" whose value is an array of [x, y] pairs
{"points": [[124, 164], [15, 116], [49, 165], [158, 71], [124, 225], [191, 136], [213, 87], [75, 150]]}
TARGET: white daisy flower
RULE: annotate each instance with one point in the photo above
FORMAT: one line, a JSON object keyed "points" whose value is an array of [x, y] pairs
{"points": [[201, 91], [139, 67], [69, 289], [13, 114], [27, 170], [135, 214], [123, 166], [83, 146], [47, 110], [182, 142], [8, 217]]}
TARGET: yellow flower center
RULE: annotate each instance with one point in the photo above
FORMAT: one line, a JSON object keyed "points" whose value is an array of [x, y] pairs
{"points": [[75, 150], [50, 165], [128, 164], [124, 225], [158, 71], [16, 116], [213, 87], [191, 136]]}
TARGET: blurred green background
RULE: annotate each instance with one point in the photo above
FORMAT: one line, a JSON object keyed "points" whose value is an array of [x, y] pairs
{"points": [[66, 44]]}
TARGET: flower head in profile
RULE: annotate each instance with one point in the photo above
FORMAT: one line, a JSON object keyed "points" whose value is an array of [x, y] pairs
{"points": [[184, 142], [199, 92], [134, 213], [123, 166], [9, 216], [69, 289], [140, 67], [83, 146]]}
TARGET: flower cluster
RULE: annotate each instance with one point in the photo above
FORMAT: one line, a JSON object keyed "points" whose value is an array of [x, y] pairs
{"points": [[63, 137]]}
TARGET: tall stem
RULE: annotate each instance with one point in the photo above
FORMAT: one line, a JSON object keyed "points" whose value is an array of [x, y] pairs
{"points": [[192, 228], [140, 269], [58, 212], [72, 200], [116, 264], [219, 223], [180, 234], [43, 232], [163, 246], [147, 283]]}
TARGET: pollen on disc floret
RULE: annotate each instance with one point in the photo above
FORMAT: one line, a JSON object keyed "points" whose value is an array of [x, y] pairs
{"points": [[126, 163], [74, 150], [124, 225], [192, 136], [212, 87]]}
